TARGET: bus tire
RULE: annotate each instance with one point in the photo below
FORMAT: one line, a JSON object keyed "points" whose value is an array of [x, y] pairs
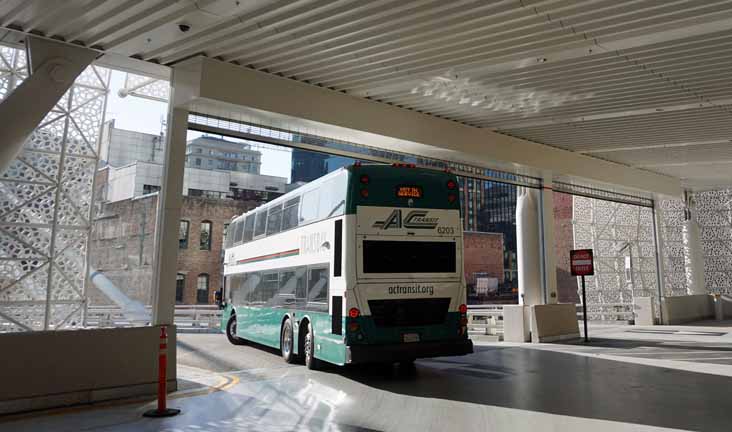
{"points": [[309, 349], [287, 341], [231, 331]]}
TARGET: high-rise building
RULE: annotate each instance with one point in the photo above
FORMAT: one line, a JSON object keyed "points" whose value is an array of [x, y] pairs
{"points": [[211, 153], [308, 165]]}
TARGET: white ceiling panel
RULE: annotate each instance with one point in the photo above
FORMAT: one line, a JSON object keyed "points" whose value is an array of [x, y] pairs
{"points": [[595, 76]]}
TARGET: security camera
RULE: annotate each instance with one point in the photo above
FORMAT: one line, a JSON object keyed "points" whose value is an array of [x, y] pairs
{"points": [[184, 27]]}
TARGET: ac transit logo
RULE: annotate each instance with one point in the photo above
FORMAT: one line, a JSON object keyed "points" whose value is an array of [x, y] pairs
{"points": [[415, 219]]}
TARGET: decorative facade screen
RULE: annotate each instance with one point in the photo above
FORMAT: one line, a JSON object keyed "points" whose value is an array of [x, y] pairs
{"points": [[46, 205], [622, 238]]}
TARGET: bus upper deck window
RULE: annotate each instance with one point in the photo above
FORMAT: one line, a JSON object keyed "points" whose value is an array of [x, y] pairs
{"points": [[260, 226]]}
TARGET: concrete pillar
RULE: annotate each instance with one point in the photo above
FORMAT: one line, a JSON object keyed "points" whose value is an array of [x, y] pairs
{"points": [[549, 263], [168, 212], [660, 259], [54, 66], [693, 257], [528, 242]]}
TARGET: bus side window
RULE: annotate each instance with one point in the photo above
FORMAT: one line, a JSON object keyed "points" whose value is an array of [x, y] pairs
{"points": [[249, 287], [289, 215], [287, 285], [318, 286], [301, 289], [309, 206], [268, 286], [274, 219], [260, 226], [237, 292], [248, 228], [237, 232], [332, 198]]}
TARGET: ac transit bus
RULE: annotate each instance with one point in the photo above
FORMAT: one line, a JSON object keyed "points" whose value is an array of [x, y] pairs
{"points": [[364, 264]]}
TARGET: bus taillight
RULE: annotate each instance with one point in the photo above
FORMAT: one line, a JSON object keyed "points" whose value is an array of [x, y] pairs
{"points": [[451, 198], [463, 309], [451, 184], [364, 193], [353, 327], [354, 313], [364, 179]]}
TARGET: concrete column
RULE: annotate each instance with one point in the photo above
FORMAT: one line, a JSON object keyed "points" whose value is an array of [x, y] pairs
{"points": [[168, 217], [549, 262], [693, 257], [528, 242], [54, 67], [660, 259]]}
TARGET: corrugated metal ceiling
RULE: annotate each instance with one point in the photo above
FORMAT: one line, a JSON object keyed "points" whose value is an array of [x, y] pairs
{"points": [[620, 80]]}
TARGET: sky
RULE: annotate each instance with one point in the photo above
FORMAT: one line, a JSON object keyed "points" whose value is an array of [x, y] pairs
{"points": [[148, 116]]}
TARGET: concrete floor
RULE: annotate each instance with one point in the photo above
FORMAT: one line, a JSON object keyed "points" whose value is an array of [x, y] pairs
{"points": [[627, 378]]}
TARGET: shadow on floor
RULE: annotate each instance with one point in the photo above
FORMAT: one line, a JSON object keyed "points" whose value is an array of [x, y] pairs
{"points": [[600, 342], [564, 384]]}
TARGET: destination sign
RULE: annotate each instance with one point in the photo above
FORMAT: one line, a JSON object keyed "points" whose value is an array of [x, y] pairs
{"points": [[409, 192]]}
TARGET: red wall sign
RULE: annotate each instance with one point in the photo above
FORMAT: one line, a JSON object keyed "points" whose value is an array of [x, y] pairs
{"points": [[581, 262]]}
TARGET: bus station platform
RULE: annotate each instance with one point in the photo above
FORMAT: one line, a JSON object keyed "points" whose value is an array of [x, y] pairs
{"points": [[627, 378]]}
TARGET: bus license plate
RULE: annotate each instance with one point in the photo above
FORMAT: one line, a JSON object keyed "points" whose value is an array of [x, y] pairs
{"points": [[410, 337]]}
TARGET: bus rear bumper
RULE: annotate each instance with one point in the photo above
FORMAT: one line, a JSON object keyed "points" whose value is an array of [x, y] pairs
{"points": [[407, 351]]}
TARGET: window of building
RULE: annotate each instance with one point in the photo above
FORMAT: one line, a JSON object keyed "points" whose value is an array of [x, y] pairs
{"points": [[198, 161], [199, 150], [180, 284], [226, 232], [205, 238], [202, 289], [183, 234], [148, 189]]}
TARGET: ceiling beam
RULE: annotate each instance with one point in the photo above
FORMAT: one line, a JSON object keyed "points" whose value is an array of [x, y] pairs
{"points": [[228, 86]]}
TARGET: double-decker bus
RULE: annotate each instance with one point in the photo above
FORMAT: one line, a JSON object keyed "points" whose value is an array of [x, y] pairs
{"points": [[361, 265]]}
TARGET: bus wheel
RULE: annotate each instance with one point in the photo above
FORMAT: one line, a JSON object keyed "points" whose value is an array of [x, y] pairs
{"points": [[310, 361], [286, 342], [231, 332]]}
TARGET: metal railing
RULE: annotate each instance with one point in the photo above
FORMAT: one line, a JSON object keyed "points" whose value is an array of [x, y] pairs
{"points": [[186, 317], [488, 319]]}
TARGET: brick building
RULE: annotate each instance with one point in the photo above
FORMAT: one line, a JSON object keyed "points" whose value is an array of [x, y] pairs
{"points": [[123, 247], [483, 257]]}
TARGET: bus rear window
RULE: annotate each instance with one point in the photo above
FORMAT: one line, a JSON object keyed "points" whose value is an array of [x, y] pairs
{"points": [[408, 257]]}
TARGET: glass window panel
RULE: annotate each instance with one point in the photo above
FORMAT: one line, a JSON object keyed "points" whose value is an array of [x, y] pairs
{"points": [[309, 207], [180, 283], [202, 289], [183, 234], [238, 231], [274, 219], [249, 228], [260, 225], [205, 236], [289, 216], [318, 285]]}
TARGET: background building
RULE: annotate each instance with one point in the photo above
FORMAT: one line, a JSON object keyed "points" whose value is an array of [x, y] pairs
{"points": [[215, 168], [308, 165], [221, 180], [213, 153], [123, 240], [120, 147]]}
